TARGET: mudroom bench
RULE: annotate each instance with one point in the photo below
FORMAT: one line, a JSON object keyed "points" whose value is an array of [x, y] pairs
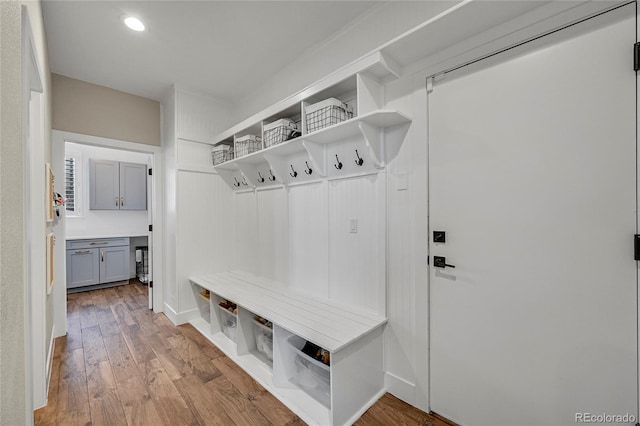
{"points": [[323, 360]]}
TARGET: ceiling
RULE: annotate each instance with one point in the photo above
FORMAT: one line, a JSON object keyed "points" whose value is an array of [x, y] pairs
{"points": [[223, 48]]}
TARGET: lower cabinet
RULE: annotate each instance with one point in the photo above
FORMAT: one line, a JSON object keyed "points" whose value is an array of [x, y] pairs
{"points": [[100, 261]]}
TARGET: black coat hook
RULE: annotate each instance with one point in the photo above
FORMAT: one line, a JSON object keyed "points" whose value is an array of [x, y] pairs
{"points": [[294, 174], [339, 164], [308, 170], [359, 161], [272, 178], [237, 184], [260, 178]]}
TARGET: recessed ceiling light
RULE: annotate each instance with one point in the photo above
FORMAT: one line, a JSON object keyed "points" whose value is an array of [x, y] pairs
{"points": [[134, 23]]}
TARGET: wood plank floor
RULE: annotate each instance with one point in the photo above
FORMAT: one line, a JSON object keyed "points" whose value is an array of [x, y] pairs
{"points": [[121, 364]]}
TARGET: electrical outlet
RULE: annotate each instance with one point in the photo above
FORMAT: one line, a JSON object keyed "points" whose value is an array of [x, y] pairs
{"points": [[354, 226]]}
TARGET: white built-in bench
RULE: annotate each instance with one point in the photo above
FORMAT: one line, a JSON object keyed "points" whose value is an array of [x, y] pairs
{"points": [[354, 381]]}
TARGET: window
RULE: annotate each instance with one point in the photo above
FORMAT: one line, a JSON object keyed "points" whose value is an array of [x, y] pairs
{"points": [[70, 184], [73, 183]]}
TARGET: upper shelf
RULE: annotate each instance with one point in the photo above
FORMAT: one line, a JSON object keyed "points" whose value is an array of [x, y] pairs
{"points": [[368, 126]]}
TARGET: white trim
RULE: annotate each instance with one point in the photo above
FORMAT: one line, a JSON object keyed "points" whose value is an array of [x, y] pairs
{"points": [[182, 317], [35, 222], [52, 348], [400, 388], [60, 137]]}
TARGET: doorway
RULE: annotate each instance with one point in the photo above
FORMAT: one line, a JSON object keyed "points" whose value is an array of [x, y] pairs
{"points": [[133, 226], [532, 177]]}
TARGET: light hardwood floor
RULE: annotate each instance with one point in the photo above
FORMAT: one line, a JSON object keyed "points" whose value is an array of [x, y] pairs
{"points": [[121, 364]]}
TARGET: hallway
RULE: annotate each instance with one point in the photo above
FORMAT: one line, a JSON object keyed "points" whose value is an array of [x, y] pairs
{"points": [[121, 364]]}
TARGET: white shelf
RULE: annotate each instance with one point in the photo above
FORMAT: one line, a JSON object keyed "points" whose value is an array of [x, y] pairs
{"points": [[371, 127]]}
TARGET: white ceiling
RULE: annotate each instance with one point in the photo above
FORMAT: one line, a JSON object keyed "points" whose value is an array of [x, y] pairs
{"points": [[224, 48]]}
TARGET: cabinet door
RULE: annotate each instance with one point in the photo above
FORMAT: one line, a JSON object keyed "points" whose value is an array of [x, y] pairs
{"points": [[82, 267], [133, 186], [114, 264], [104, 189]]}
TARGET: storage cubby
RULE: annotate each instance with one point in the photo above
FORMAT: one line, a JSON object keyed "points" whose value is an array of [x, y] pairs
{"points": [[228, 319], [255, 337], [322, 394], [312, 155]]}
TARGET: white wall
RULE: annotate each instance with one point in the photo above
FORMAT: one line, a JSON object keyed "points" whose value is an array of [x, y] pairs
{"points": [[104, 223], [374, 28]]}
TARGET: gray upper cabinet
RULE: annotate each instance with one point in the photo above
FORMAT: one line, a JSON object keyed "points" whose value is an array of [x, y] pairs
{"points": [[117, 185]]}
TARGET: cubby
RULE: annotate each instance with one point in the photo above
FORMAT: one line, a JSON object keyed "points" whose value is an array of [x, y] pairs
{"points": [[359, 145], [326, 394]]}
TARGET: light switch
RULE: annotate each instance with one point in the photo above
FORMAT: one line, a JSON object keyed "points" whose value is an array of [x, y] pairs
{"points": [[354, 226], [402, 182]]}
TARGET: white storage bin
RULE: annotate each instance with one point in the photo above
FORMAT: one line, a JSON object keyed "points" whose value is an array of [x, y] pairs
{"points": [[228, 323], [326, 113], [278, 131], [312, 376], [248, 144], [221, 153], [264, 339]]}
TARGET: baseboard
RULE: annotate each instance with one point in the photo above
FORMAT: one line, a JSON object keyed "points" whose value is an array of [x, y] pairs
{"points": [[400, 388], [366, 407], [182, 317], [52, 348]]}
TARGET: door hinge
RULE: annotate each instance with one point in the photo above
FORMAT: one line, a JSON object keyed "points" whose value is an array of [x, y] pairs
{"points": [[150, 228], [636, 247], [150, 172], [636, 57], [150, 284]]}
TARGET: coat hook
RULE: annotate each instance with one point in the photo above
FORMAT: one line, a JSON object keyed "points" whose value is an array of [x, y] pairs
{"points": [[308, 170], [272, 178], [260, 178], [339, 165], [237, 184], [359, 161], [294, 174], [244, 181]]}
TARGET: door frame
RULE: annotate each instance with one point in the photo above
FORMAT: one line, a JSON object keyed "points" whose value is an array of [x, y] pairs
{"points": [[155, 208], [477, 59]]}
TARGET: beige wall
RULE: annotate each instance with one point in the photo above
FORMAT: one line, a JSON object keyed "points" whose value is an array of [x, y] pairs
{"points": [[13, 397], [89, 109]]}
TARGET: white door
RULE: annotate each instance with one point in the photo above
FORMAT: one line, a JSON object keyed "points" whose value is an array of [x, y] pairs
{"points": [[532, 174]]}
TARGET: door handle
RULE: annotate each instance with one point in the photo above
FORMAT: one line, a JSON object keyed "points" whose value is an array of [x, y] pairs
{"points": [[102, 256], [116, 201], [95, 243], [441, 262], [121, 201], [83, 251]]}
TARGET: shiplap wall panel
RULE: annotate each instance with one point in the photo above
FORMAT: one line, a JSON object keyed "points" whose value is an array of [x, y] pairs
{"points": [[205, 232], [193, 153], [354, 257], [246, 222], [308, 239], [273, 234], [407, 332], [199, 117]]}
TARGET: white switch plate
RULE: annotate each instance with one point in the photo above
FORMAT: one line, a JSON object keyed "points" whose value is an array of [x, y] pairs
{"points": [[354, 226], [402, 182]]}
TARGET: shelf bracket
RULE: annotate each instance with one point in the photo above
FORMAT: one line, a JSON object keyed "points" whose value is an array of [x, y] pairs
{"points": [[317, 155], [278, 166], [249, 173], [374, 139]]}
